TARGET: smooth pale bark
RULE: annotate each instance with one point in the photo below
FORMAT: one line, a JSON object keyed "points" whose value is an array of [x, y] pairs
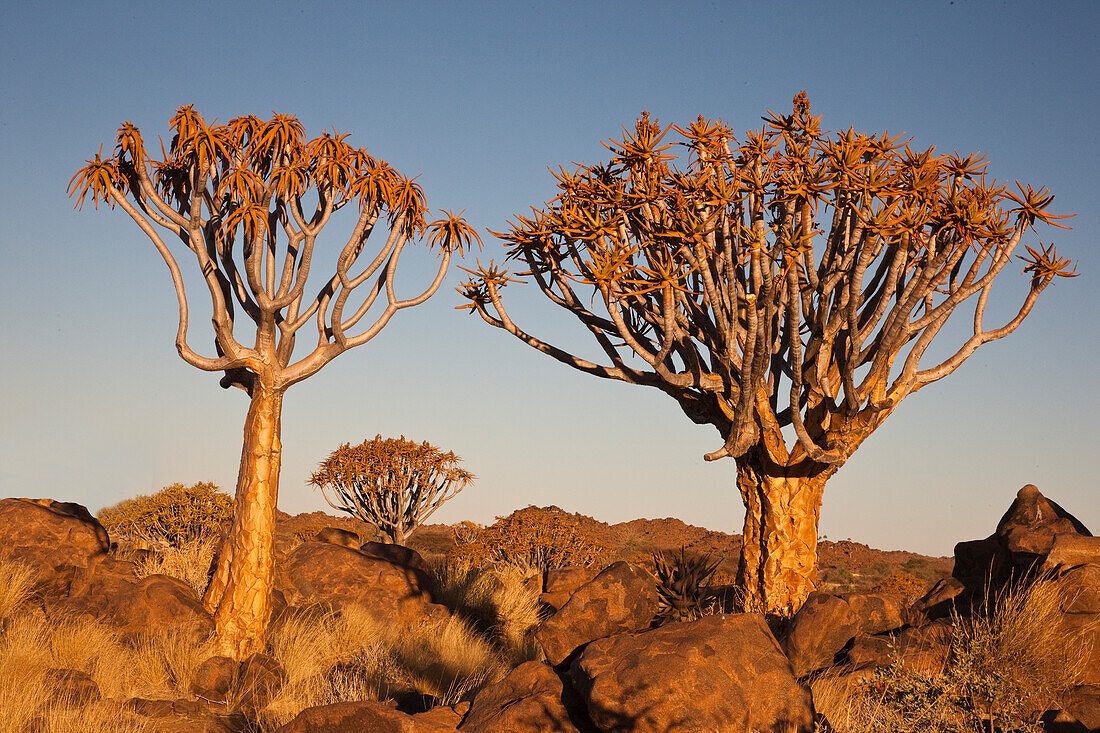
{"points": [[239, 595], [778, 565]]}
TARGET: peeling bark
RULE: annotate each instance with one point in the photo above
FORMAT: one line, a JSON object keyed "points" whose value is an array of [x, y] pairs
{"points": [[239, 595]]}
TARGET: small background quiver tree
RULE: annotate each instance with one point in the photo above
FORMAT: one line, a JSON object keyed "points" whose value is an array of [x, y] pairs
{"points": [[172, 516], [784, 289], [392, 483]]}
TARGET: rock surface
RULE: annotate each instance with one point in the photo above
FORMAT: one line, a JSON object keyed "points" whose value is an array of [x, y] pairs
{"points": [[528, 700], [562, 583], [723, 672], [826, 623], [620, 599], [356, 717], [54, 538], [326, 573], [111, 592]]}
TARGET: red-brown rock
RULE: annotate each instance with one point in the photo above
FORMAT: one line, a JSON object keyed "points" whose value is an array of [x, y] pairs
{"points": [[562, 583], [622, 598], [723, 672], [321, 573], [922, 649], [110, 592], [528, 700], [818, 632], [259, 679], [337, 536], [71, 687], [355, 717], [54, 538], [213, 679]]}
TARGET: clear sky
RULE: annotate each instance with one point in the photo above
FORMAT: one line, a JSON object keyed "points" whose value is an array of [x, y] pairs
{"points": [[479, 98]]}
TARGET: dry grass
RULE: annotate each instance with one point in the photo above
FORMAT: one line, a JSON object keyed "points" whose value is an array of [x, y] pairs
{"points": [[495, 600], [356, 656], [190, 561], [1007, 666], [16, 586]]}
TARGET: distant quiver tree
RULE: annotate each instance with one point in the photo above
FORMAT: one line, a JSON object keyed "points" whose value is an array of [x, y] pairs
{"points": [[791, 281], [247, 200], [392, 483]]}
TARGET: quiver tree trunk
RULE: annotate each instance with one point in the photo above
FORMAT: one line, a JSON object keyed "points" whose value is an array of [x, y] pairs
{"points": [[239, 595], [778, 565]]}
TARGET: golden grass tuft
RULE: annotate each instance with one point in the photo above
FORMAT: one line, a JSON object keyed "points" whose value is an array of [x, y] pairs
{"points": [[16, 586], [1007, 666], [190, 561]]}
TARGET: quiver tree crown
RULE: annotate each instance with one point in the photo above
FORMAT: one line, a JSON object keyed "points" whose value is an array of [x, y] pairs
{"points": [[392, 483], [795, 278]]}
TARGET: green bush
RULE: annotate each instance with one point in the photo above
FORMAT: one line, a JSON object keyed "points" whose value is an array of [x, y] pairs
{"points": [[174, 515]]}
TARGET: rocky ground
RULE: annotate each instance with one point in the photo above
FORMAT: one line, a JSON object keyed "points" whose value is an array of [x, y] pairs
{"points": [[600, 661]]}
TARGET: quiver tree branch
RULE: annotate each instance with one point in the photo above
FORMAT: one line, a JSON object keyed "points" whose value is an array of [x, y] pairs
{"points": [[236, 196], [394, 484], [796, 278]]}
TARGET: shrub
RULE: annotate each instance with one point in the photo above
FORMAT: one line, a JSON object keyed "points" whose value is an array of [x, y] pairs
{"points": [[1007, 667], [906, 584], [542, 538], [172, 516]]}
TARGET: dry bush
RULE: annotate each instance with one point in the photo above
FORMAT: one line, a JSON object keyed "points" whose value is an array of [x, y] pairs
{"points": [[190, 561], [16, 585], [906, 584], [543, 538], [1007, 667], [172, 516]]}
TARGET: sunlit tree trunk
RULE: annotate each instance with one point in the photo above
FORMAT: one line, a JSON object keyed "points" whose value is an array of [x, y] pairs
{"points": [[239, 595], [778, 566]]}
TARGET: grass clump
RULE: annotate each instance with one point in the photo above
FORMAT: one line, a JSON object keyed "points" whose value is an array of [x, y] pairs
{"points": [[16, 586], [498, 601], [1007, 666], [191, 561]]}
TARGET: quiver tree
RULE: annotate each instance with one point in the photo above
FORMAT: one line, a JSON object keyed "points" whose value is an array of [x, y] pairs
{"points": [[247, 200], [791, 281], [394, 484]]}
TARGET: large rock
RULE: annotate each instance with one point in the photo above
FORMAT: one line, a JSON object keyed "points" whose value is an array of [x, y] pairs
{"points": [[620, 599], [111, 592], [186, 716], [1080, 605], [826, 623], [1080, 712], [562, 583], [723, 672], [1024, 538], [322, 573], [356, 717], [528, 700], [54, 538], [923, 649]]}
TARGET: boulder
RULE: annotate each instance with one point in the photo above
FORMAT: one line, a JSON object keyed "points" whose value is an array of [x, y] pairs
{"points": [[528, 700], [399, 555], [187, 716], [722, 672], [355, 717], [111, 592], [922, 649], [1024, 538], [826, 623], [54, 538], [259, 679], [441, 718], [72, 687], [334, 576], [1069, 550], [563, 582], [214, 678], [337, 536], [622, 598], [939, 602], [1080, 712]]}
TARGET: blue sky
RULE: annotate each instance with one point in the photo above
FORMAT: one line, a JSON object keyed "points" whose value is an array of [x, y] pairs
{"points": [[479, 98]]}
